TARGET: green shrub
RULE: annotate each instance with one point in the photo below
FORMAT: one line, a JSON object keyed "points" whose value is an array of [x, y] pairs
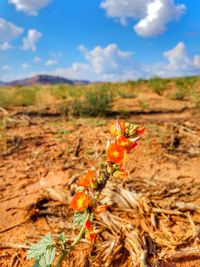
{"points": [[17, 96], [158, 85], [94, 103], [124, 94], [195, 98], [26, 96], [181, 90]]}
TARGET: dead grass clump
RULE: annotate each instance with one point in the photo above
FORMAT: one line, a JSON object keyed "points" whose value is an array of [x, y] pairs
{"points": [[3, 124]]}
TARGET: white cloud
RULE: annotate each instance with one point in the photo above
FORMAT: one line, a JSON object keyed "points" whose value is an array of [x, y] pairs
{"points": [[37, 60], [112, 64], [106, 60], [6, 68], [153, 15], [109, 63], [9, 31], [5, 46], [32, 38], [197, 61], [51, 62], [29, 6], [25, 66], [177, 57], [178, 63]]}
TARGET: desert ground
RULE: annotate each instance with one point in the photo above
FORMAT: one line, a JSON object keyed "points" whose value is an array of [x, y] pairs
{"points": [[154, 214]]}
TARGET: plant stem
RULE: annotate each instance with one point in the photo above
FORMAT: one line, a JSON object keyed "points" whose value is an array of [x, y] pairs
{"points": [[72, 245], [98, 191]]}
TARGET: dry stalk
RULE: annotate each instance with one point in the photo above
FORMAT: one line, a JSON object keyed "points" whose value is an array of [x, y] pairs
{"points": [[3, 124]]}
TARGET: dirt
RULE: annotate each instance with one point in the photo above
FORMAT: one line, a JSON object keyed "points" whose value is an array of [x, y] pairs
{"points": [[44, 157]]}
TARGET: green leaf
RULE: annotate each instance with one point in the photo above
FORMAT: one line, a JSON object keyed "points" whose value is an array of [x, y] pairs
{"points": [[79, 218], [36, 250], [36, 264], [62, 238], [47, 258]]}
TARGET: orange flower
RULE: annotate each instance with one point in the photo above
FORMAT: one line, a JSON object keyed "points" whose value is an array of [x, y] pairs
{"points": [[132, 146], [90, 236], [101, 209], [140, 130], [123, 141], [127, 144], [80, 201], [114, 128], [115, 153], [87, 179]]}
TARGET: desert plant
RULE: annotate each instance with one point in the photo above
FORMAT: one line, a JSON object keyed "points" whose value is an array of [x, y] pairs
{"points": [[158, 85], [85, 200], [195, 97], [94, 103], [181, 91]]}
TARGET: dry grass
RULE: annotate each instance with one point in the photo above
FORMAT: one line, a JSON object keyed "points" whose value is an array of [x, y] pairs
{"points": [[3, 124]]}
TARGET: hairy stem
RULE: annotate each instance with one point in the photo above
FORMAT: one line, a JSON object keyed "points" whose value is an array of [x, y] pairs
{"points": [[72, 245], [98, 191]]}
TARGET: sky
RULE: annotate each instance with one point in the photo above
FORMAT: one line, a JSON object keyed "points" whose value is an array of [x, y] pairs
{"points": [[99, 40]]}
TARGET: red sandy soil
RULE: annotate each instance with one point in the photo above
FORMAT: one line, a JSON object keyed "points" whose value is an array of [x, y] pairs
{"points": [[45, 156]]}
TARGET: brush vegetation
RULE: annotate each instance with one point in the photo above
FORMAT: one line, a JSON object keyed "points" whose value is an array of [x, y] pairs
{"points": [[97, 99]]}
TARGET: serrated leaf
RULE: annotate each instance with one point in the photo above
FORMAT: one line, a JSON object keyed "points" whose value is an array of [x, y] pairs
{"points": [[36, 250], [79, 218], [50, 255], [47, 258]]}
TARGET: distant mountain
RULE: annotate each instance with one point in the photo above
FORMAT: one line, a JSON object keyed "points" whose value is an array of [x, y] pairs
{"points": [[2, 83], [46, 79]]}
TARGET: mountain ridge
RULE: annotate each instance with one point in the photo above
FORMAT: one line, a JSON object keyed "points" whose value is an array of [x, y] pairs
{"points": [[43, 79]]}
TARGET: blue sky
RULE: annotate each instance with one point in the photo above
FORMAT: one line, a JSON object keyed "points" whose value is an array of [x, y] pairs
{"points": [[111, 40]]}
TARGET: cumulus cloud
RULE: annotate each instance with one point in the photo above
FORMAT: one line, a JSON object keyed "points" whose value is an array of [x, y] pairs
{"points": [[103, 63], [5, 46], [177, 57], [106, 60], [32, 38], [25, 66], [8, 31], [6, 68], [197, 61], [152, 15], [178, 63], [29, 6], [37, 60], [51, 62], [112, 64]]}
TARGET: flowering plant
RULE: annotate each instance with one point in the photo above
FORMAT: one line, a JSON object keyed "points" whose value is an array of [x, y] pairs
{"points": [[85, 204]]}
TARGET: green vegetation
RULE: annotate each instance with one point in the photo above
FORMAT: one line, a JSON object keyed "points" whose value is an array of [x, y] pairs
{"points": [[97, 99], [182, 90], [94, 103], [195, 97], [158, 85], [185, 86], [17, 96]]}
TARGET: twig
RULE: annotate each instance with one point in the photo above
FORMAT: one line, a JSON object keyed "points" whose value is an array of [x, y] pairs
{"points": [[12, 227], [184, 254], [78, 147], [169, 212], [15, 246]]}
